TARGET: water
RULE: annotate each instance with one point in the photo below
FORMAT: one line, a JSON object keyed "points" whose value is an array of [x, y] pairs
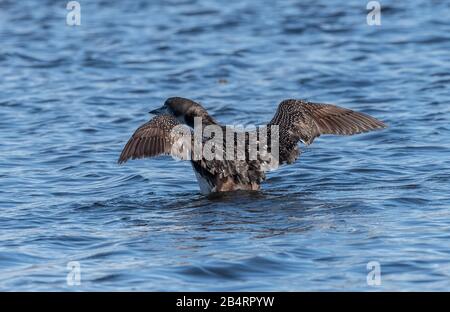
{"points": [[71, 96]]}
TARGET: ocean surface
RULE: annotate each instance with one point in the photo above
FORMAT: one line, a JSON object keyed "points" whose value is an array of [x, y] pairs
{"points": [[72, 219]]}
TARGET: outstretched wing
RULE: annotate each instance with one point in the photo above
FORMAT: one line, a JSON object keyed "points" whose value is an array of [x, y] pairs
{"points": [[163, 135], [300, 120]]}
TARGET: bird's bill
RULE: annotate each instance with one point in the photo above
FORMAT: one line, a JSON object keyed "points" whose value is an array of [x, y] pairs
{"points": [[158, 111]]}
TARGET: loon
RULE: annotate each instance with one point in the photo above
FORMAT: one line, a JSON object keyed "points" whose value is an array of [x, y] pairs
{"points": [[296, 121]]}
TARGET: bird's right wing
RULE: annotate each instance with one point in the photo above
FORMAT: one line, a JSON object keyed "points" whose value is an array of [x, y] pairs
{"points": [[163, 135]]}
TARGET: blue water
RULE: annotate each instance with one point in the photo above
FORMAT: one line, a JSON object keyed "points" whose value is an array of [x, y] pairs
{"points": [[70, 97]]}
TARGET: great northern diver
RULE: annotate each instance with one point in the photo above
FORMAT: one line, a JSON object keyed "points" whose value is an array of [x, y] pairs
{"points": [[296, 121]]}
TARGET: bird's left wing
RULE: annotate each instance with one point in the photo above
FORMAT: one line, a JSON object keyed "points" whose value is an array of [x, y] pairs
{"points": [[304, 121], [163, 135]]}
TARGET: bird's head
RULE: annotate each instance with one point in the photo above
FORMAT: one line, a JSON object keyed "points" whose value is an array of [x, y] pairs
{"points": [[184, 110]]}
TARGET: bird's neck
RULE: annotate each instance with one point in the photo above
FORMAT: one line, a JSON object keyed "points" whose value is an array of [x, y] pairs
{"points": [[202, 120]]}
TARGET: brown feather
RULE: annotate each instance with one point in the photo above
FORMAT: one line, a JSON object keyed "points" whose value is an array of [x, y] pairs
{"points": [[151, 139], [298, 119]]}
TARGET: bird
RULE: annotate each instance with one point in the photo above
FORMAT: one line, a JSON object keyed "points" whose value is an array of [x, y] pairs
{"points": [[182, 123]]}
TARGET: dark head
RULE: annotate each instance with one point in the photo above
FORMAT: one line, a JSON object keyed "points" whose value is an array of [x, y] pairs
{"points": [[184, 110]]}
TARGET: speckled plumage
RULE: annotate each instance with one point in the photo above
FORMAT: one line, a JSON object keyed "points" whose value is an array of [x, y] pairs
{"points": [[297, 120], [304, 121]]}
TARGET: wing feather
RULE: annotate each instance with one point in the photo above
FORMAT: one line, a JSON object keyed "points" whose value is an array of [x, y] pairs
{"points": [[302, 120], [153, 138]]}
